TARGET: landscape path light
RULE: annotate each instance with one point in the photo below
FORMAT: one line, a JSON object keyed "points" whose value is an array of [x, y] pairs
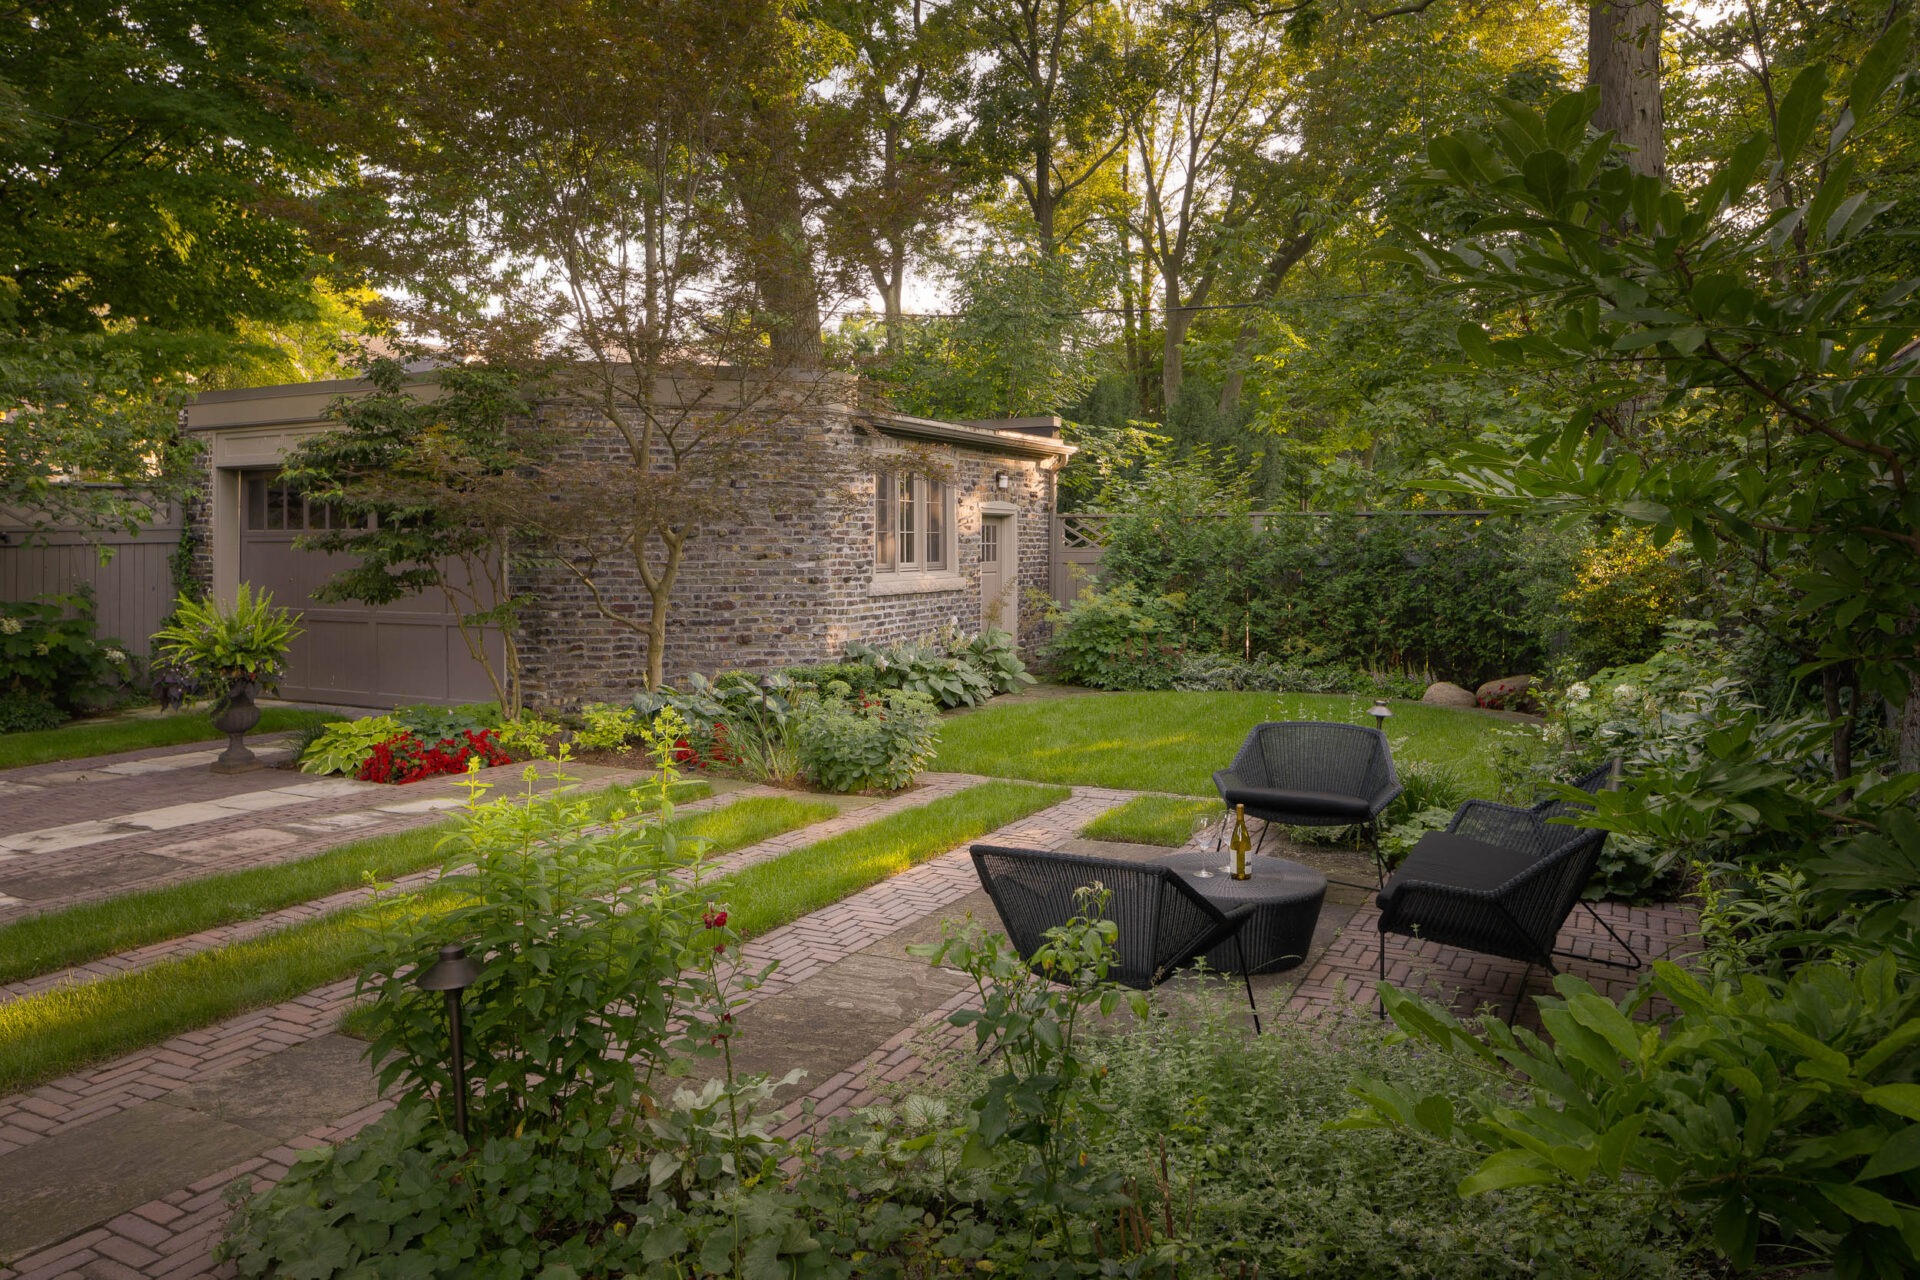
{"points": [[453, 973], [1381, 713]]}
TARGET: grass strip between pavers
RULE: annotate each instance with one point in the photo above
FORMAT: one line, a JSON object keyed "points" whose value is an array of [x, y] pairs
{"points": [[48, 1035], [108, 737], [781, 890], [1161, 820], [77, 934]]}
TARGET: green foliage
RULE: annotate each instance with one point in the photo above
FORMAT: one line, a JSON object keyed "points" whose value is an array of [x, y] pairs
{"points": [[342, 747], [606, 727], [861, 678], [1118, 638], [736, 719], [1624, 592], [1035, 1014], [49, 656], [867, 745], [223, 645], [28, 713], [145, 146], [946, 680], [1736, 377], [1770, 1115], [1461, 597], [993, 654]]}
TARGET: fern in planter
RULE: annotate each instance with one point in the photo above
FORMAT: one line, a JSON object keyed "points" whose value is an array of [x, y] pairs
{"points": [[245, 644]]}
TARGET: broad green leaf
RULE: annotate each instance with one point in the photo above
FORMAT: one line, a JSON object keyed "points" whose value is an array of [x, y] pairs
{"points": [[1800, 110], [1901, 1099], [1897, 1154], [1877, 68], [1505, 1169]]}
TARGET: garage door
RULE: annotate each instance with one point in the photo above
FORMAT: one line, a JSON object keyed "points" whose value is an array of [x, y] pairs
{"points": [[353, 654]]}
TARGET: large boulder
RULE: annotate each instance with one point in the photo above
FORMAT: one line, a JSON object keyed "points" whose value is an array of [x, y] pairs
{"points": [[1508, 693], [1443, 694]]}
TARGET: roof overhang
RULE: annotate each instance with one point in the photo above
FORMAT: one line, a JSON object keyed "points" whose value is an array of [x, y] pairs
{"points": [[1016, 444]]}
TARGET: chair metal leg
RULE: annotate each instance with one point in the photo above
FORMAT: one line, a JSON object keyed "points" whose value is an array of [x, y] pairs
{"points": [[1514, 1011], [1265, 826], [1240, 954], [1380, 1001], [1635, 963]]}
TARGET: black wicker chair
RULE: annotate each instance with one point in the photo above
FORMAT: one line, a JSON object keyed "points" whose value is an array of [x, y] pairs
{"points": [[1310, 773], [1164, 923], [1500, 881]]}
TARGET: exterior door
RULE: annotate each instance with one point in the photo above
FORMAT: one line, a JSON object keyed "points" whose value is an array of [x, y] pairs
{"points": [[999, 575], [348, 653]]}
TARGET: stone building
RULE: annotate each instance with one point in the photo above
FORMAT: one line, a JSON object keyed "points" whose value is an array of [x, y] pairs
{"points": [[910, 526]]}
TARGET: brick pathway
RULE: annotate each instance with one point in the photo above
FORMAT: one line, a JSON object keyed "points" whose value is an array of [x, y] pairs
{"points": [[170, 1236]]}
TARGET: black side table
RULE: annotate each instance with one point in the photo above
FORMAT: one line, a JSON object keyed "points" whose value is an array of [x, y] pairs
{"points": [[1287, 896]]}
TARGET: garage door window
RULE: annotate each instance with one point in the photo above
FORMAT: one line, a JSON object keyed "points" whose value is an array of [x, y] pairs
{"points": [[274, 507]]}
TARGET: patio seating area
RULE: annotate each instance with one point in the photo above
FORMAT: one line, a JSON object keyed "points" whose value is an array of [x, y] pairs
{"points": [[238, 1100]]}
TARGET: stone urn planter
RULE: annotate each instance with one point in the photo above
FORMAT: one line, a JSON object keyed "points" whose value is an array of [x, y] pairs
{"points": [[235, 715]]}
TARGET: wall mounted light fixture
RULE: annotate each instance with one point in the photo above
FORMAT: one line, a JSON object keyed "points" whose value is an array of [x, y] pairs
{"points": [[1002, 481]]}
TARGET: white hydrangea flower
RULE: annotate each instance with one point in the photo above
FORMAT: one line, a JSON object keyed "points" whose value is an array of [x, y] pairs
{"points": [[1578, 693], [1626, 692], [40, 650], [10, 625], [116, 657]]}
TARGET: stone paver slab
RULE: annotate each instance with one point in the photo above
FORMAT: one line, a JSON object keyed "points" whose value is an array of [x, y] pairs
{"points": [[312, 1083], [52, 1189]]}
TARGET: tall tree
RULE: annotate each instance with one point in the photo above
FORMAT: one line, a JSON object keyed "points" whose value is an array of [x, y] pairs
{"points": [[569, 184], [889, 154], [1044, 98], [1623, 68], [148, 153]]}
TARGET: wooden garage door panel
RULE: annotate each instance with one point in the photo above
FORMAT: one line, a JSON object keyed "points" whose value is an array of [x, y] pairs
{"points": [[357, 655]]}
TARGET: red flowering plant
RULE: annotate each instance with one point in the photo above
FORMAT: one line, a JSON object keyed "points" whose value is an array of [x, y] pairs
{"points": [[408, 758]]}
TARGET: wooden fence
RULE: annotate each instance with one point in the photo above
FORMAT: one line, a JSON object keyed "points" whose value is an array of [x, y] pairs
{"points": [[129, 573]]}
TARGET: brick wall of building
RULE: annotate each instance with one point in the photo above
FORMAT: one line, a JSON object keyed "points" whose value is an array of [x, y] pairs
{"points": [[792, 583]]}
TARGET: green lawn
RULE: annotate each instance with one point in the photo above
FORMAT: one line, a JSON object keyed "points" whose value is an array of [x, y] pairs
{"points": [[1174, 741], [48, 1035], [105, 737], [1160, 820], [86, 932]]}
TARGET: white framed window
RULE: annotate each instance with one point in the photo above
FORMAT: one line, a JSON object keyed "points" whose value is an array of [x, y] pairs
{"points": [[912, 524]]}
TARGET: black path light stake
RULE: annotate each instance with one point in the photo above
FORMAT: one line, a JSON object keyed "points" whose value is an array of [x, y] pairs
{"points": [[453, 973]]}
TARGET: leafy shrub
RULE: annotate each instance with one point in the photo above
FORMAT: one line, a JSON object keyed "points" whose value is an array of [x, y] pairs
{"points": [[947, 681], [26, 712], [606, 727], [528, 738], [1780, 1116], [1117, 638], [48, 653], [1467, 598], [602, 966], [993, 655], [1398, 838], [409, 758], [867, 744], [344, 745], [861, 678], [434, 722], [736, 718], [1624, 591], [1183, 1146]]}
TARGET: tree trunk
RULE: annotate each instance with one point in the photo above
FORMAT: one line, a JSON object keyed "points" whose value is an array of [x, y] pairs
{"points": [[1623, 62]]}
